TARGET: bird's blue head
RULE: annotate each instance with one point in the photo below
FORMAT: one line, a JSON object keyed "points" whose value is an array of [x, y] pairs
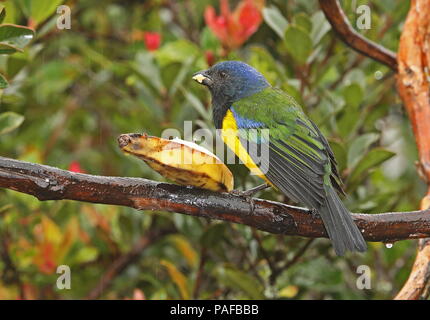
{"points": [[230, 81]]}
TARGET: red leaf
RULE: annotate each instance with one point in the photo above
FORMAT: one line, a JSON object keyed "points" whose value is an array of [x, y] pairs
{"points": [[152, 40], [210, 58], [250, 18], [218, 25], [47, 264], [233, 29]]}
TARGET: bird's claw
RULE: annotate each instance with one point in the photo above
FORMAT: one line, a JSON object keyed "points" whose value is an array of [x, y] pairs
{"points": [[248, 194], [248, 198], [315, 214]]}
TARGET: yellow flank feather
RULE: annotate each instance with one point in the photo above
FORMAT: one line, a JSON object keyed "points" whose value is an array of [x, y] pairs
{"points": [[229, 134]]}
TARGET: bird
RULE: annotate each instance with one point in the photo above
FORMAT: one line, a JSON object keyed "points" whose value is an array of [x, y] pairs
{"points": [[295, 158]]}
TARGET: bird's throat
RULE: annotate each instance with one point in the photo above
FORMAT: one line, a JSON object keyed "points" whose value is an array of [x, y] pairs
{"points": [[218, 112]]}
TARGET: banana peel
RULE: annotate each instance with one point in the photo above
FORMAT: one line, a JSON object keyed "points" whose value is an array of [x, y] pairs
{"points": [[180, 161]]}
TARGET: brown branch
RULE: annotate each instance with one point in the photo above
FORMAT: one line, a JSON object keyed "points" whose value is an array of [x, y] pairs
{"points": [[277, 271], [48, 183], [352, 38], [417, 286], [298, 255], [200, 270], [413, 84]]}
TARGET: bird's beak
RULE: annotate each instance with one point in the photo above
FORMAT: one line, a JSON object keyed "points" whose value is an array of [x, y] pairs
{"points": [[202, 78]]}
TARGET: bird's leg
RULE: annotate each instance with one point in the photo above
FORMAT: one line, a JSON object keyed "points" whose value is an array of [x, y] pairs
{"points": [[252, 191], [248, 194], [315, 214]]}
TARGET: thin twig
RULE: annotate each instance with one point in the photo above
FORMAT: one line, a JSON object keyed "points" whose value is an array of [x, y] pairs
{"points": [[200, 270], [123, 261], [298, 255], [291, 262]]}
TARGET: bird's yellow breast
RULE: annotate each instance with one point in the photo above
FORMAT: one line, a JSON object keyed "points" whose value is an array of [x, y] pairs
{"points": [[230, 136]]}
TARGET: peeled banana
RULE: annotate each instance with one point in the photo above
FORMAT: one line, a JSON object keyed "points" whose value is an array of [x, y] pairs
{"points": [[181, 161]]}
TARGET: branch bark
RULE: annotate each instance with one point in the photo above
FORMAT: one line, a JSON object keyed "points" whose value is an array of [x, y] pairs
{"points": [[352, 38], [48, 183], [413, 84]]}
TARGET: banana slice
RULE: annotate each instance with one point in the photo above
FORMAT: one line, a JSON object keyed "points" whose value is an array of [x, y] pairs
{"points": [[183, 162]]}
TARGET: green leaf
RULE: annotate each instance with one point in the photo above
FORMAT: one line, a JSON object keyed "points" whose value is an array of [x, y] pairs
{"points": [[347, 123], [353, 95], [208, 41], [7, 49], [212, 236], [359, 147], [2, 14], [320, 27], [53, 78], [237, 279], [9, 121], [176, 51], [274, 18], [11, 11], [302, 20], [298, 43], [181, 76], [14, 38], [374, 158], [39, 10], [197, 104], [145, 66], [3, 82], [86, 254], [357, 76], [15, 63]]}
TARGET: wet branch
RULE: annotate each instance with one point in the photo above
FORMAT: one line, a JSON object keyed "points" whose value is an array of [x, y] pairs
{"points": [[48, 183]]}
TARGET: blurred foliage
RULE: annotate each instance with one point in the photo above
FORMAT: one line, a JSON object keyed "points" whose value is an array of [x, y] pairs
{"points": [[126, 66]]}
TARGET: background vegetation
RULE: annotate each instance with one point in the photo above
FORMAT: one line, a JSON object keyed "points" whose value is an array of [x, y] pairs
{"points": [[126, 66]]}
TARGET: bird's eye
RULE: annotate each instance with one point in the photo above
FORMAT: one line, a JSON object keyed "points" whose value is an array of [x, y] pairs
{"points": [[223, 74]]}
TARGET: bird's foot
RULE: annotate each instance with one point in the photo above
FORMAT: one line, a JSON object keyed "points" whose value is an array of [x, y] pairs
{"points": [[315, 214], [248, 194]]}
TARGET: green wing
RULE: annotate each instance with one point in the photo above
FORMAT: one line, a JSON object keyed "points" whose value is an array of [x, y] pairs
{"points": [[300, 162], [296, 158]]}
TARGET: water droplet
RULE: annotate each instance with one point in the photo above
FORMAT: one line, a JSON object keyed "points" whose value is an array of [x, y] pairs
{"points": [[388, 245], [378, 75]]}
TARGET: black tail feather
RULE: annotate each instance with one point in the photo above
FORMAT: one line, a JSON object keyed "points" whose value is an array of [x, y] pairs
{"points": [[341, 228]]}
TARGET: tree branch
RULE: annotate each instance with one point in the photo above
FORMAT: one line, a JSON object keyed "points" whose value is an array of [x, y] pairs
{"points": [[352, 38], [48, 183]]}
